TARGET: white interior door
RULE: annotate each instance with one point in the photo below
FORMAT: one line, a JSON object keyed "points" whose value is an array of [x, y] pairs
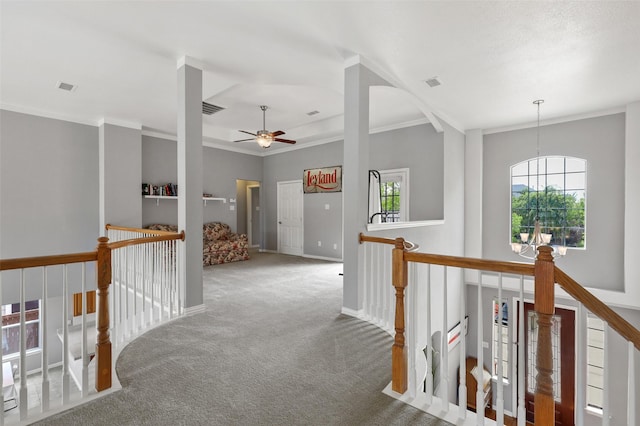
{"points": [[290, 213]]}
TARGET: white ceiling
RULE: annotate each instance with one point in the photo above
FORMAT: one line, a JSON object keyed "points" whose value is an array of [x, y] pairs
{"points": [[493, 58]]}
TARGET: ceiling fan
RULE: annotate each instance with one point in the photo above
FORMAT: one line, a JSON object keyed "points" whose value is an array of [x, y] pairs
{"points": [[263, 137]]}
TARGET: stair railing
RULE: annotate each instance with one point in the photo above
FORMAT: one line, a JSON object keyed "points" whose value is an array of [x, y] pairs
{"points": [[156, 252], [407, 376]]}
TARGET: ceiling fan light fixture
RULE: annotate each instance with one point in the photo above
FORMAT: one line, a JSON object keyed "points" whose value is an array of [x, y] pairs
{"points": [[264, 138]]}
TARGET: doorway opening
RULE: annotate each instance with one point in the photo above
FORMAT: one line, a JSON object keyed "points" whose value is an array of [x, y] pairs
{"points": [[248, 211]]}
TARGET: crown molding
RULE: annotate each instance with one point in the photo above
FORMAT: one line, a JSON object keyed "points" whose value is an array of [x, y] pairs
{"points": [[47, 114], [558, 120], [120, 123]]}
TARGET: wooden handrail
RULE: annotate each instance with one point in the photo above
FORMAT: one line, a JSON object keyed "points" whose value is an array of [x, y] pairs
{"points": [[472, 263], [408, 245], [365, 238], [135, 241], [56, 259], [598, 308], [139, 230]]}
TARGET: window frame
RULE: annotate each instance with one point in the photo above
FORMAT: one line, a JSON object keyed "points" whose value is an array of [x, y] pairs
{"points": [[506, 352], [15, 355], [541, 168], [402, 176]]}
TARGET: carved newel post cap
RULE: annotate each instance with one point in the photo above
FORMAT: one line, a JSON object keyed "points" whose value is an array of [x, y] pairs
{"points": [[544, 253], [399, 243]]}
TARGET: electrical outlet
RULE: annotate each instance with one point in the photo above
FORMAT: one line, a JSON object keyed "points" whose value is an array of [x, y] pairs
{"points": [[335, 246], [232, 207], [485, 345], [319, 243], [326, 206]]}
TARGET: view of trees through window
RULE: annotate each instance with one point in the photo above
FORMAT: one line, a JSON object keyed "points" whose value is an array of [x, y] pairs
{"points": [[552, 189], [390, 198]]}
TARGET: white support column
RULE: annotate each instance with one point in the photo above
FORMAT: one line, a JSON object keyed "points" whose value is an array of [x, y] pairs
{"points": [[190, 176], [632, 201], [357, 80], [429, 374]]}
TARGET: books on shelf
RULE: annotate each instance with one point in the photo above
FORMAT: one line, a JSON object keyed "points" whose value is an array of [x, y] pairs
{"points": [[166, 190]]}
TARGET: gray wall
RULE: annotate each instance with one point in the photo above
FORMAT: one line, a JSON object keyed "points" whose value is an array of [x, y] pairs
{"points": [[598, 140], [120, 158], [319, 224], [221, 169], [48, 204], [48, 186], [421, 149]]}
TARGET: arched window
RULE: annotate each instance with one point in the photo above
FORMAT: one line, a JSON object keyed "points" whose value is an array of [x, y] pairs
{"points": [[553, 189]]}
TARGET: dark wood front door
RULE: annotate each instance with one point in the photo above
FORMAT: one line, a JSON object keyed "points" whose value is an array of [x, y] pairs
{"points": [[563, 343]]}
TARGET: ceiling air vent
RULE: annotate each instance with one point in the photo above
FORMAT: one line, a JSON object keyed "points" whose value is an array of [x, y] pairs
{"points": [[313, 113], [433, 82], [65, 86], [210, 109]]}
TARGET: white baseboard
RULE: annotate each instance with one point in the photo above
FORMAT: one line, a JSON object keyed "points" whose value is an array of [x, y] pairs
{"points": [[353, 313], [268, 251], [192, 310], [330, 259]]}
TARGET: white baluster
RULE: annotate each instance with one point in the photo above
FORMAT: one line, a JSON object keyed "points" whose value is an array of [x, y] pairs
{"points": [[411, 296], [429, 374], [23, 349], [126, 326], [83, 343], [500, 397], [631, 386], [605, 377], [522, 417], [581, 363], [65, 337], [462, 388], [444, 370], [365, 278], [44, 355], [1, 355], [479, 389]]}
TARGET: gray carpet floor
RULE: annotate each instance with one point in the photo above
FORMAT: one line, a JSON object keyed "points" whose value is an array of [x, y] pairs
{"points": [[271, 349]]}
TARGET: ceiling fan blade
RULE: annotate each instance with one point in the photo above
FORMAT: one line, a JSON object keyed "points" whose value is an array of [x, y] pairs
{"points": [[249, 133], [245, 140], [278, 133], [284, 140]]}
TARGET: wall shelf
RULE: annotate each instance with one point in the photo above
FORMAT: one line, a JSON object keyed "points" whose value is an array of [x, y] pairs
{"points": [[167, 197]]}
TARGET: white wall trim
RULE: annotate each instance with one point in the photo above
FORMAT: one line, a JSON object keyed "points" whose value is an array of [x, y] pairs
{"points": [[330, 259], [120, 123], [402, 225], [268, 251], [353, 313], [558, 120], [192, 310], [47, 114], [192, 62], [340, 137]]}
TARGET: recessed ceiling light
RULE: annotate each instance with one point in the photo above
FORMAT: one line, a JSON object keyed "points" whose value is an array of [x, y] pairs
{"points": [[433, 82], [310, 113], [66, 86]]}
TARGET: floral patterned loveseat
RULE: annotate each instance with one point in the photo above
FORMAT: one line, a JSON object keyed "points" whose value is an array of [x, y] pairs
{"points": [[219, 244]]}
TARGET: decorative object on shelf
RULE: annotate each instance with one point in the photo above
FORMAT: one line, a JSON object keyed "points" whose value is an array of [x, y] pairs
{"points": [[263, 137], [146, 189], [527, 247]]}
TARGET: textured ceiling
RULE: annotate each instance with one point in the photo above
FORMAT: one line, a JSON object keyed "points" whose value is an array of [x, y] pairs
{"points": [[493, 58]]}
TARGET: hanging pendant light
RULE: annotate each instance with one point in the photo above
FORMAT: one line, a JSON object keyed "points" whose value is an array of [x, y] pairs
{"points": [[528, 247]]}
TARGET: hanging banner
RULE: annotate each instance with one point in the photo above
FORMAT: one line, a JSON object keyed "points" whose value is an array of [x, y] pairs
{"points": [[326, 179]]}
